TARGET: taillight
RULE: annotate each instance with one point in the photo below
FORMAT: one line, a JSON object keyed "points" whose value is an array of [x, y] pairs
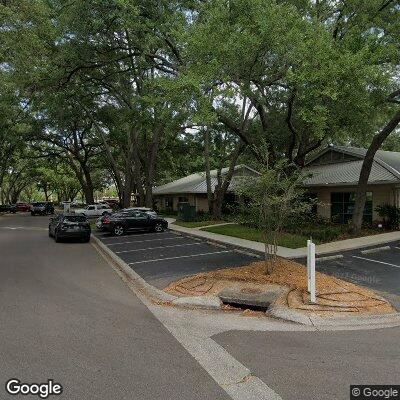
{"points": [[106, 220]]}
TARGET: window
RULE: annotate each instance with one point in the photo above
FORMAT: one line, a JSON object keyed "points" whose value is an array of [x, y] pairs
{"points": [[140, 215], [342, 207], [75, 218], [183, 199], [91, 208], [169, 202]]}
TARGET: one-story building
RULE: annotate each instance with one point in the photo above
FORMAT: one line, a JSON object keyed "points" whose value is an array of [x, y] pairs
{"points": [[193, 189], [334, 176]]}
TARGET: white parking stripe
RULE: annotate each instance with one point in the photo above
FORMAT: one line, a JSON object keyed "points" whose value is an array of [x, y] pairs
{"points": [[138, 235], [158, 247], [379, 262], [172, 258], [142, 241]]}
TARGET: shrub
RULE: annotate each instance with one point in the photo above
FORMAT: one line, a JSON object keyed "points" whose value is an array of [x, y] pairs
{"points": [[390, 215]]}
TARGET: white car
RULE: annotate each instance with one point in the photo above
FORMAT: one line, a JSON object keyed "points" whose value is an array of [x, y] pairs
{"points": [[94, 210]]}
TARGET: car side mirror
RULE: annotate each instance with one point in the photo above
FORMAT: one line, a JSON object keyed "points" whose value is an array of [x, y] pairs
{"points": [[51, 219]]}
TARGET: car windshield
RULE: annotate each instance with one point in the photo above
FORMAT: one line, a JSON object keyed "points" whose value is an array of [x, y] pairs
{"points": [[75, 218]]}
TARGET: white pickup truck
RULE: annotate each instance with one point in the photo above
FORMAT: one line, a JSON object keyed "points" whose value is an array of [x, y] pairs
{"points": [[94, 210]]}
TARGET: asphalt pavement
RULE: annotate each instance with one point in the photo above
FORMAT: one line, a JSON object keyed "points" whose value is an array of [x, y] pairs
{"points": [[318, 365], [162, 258], [376, 267], [65, 315]]}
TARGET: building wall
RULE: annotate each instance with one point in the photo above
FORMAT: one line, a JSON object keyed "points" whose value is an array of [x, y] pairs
{"points": [[381, 194], [198, 200]]}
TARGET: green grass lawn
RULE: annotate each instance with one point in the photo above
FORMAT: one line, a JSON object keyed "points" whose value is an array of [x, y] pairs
{"points": [[196, 224], [290, 240]]}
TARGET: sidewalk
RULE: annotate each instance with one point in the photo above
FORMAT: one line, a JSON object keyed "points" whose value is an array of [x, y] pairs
{"points": [[322, 249]]}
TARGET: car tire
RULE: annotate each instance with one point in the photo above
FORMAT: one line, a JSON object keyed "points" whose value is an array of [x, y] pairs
{"points": [[158, 228], [118, 230], [50, 235], [33, 214], [86, 239], [56, 238]]}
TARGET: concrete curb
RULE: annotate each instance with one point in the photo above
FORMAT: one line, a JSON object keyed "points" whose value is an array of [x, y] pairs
{"points": [[321, 250], [381, 320], [210, 303], [124, 267], [220, 243], [214, 302]]}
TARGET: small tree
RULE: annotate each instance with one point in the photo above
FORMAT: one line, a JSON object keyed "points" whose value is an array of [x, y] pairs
{"points": [[270, 201]]}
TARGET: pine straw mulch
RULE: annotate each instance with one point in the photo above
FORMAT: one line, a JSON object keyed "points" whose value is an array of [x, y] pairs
{"points": [[333, 295]]}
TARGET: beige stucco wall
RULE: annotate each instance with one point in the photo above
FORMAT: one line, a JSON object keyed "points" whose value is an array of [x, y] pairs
{"points": [[381, 194], [200, 201]]}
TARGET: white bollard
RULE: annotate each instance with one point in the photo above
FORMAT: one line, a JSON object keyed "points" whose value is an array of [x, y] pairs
{"points": [[311, 270], [308, 265]]}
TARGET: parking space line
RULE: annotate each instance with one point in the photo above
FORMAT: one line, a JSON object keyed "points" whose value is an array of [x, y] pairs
{"points": [[142, 241], [376, 261], [137, 235], [159, 247], [172, 258]]}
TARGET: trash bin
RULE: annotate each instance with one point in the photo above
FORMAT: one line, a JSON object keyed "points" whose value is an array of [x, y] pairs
{"points": [[186, 212]]}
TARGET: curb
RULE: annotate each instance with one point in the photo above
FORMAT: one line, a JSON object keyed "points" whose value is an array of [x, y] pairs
{"points": [[210, 302], [215, 303], [124, 267], [378, 320], [220, 243]]}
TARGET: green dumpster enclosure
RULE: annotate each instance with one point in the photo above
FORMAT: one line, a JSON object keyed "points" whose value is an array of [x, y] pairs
{"points": [[186, 211]]}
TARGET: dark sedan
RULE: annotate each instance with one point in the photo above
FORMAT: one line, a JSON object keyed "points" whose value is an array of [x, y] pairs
{"points": [[8, 208], [42, 208], [128, 221], [69, 226]]}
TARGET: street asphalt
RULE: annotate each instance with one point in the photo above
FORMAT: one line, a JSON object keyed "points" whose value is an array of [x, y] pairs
{"points": [[65, 315], [162, 258], [318, 365]]}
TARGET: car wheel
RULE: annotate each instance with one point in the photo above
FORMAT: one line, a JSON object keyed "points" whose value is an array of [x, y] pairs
{"points": [[86, 239], [119, 230], [33, 214], [56, 238], [158, 228], [50, 233]]}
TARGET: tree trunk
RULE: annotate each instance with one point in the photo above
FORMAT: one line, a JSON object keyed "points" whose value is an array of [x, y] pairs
{"points": [[88, 186], [210, 195], [217, 208], [361, 192]]}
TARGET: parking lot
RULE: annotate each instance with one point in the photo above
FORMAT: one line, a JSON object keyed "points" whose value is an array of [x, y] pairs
{"points": [[377, 267], [161, 258]]}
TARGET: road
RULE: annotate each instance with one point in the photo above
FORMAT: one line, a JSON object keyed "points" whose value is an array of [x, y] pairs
{"points": [[66, 315]]}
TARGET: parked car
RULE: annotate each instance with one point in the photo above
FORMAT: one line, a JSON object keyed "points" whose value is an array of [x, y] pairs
{"points": [[8, 208], [69, 226], [147, 210], [94, 210], [127, 221], [103, 227], [24, 207], [42, 208]]}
